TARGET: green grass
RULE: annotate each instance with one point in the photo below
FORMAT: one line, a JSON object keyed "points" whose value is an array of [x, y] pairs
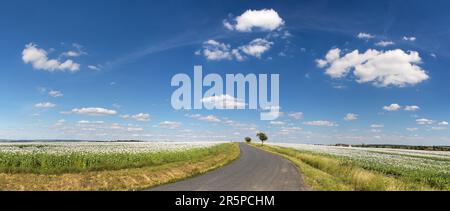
{"points": [[198, 162], [43, 163], [323, 172]]}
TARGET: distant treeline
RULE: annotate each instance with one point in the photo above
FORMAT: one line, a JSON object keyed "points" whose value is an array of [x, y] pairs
{"points": [[426, 148]]}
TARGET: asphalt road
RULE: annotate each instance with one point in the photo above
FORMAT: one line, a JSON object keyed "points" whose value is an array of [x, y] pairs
{"points": [[255, 170]]}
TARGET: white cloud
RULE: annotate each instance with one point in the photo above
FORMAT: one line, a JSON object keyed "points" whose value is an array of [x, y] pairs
{"points": [[381, 68], [95, 67], [414, 129], [135, 129], [217, 51], [71, 54], [412, 108], [384, 43], [277, 123], [351, 117], [443, 123], [141, 117], [321, 123], [256, 47], [265, 19], [411, 39], [365, 36], [45, 105], [54, 93], [224, 102], [377, 126], [169, 125], [392, 107], [93, 111], [75, 53], [40, 61], [424, 121], [209, 118], [297, 115]]}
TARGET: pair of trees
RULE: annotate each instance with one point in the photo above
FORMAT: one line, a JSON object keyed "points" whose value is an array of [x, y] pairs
{"points": [[262, 136]]}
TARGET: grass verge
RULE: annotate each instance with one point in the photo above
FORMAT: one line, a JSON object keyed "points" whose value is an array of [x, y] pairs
{"points": [[326, 173], [187, 164]]}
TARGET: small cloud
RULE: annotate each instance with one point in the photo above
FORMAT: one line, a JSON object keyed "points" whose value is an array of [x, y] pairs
{"points": [[351, 117], [410, 39], [365, 36], [45, 105], [95, 67], [277, 123], [321, 123], [377, 126], [424, 121], [141, 117], [55, 93], [297, 115], [209, 118], [392, 107], [169, 125], [443, 123], [224, 102], [93, 111], [384, 43], [414, 129], [412, 108]]}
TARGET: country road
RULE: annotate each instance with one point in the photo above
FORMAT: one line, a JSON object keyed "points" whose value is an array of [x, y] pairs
{"points": [[255, 170]]}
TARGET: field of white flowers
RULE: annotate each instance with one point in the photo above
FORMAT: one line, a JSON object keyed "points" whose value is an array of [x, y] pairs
{"points": [[409, 159], [61, 157], [60, 148], [431, 167]]}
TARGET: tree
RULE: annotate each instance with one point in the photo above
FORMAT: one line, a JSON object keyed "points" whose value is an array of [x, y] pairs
{"points": [[263, 137], [248, 139]]}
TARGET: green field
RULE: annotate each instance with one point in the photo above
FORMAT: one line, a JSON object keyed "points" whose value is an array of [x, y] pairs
{"points": [[109, 171]]}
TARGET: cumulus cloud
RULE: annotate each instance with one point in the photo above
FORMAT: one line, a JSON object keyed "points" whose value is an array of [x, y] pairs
{"points": [[55, 93], [381, 68], [256, 47], [321, 123], [265, 19], [351, 117], [93, 111], [384, 43], [141, 117], [365, 36], [392, 107], [217, 51], [297, 115], [412, 108], [224, 102], [40, 61], [169, 125], [45, 105]]}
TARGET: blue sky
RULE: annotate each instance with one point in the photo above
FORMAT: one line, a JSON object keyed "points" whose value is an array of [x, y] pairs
{"points": [[350, 72]]}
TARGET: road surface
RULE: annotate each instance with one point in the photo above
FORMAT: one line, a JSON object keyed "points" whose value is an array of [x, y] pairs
{"points": [[255, 170]]}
